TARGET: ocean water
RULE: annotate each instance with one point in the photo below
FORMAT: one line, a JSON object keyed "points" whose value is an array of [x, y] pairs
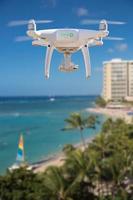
{"points": [[40, 120]]}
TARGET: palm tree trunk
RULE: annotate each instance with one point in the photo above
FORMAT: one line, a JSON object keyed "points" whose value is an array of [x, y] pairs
{"points": [[82, 138]]}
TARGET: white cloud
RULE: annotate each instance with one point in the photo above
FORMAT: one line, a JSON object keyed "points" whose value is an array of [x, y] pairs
{"points": [[111, 50], [122, 47], [82, 12], [49, 3], [53, 3]]}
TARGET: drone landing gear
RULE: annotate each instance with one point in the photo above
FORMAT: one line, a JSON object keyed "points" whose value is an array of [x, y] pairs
{"points": [[86, 56], [49, 53]]}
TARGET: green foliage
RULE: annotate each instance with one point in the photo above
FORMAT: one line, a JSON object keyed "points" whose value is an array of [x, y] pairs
{"points": [[103, 171], [100, 102], [21, 184], [78, 122], [68, 148]]}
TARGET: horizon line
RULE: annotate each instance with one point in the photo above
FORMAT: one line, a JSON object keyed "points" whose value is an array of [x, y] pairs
{"points": [[23, 96]]}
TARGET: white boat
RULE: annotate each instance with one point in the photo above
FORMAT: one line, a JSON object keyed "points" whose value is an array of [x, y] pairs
{"points": [[52, 99], [20, 159]]}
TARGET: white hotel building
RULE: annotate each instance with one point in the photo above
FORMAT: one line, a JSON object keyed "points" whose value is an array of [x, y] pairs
{"points": [[118, 79]]}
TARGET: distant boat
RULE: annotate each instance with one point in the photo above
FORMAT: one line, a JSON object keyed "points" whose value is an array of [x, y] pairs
{"points": [[52, 99], [20, 152], [20, 159]]}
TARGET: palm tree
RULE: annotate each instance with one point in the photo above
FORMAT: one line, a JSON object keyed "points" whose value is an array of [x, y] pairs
{"points": [[77, 164], [77, 169], [56, 184], [68, 149], [77, 121]]}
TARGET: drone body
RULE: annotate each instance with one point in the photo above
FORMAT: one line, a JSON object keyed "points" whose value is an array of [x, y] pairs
{"points": [[67, 42]]}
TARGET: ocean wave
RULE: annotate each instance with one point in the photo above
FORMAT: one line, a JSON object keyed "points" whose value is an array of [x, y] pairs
{"points": [[22, 101], [15, 114], [25, 114], [26, 130], [3, 144]]}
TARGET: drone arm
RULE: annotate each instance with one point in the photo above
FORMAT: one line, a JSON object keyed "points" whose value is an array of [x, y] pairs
{"points": [[95, 43], [86, 56], [48, 57], [33, 34], [39, 43]]}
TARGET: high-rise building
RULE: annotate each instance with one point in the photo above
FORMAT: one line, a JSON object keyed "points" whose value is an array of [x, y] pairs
{"points": [[118, 79]]}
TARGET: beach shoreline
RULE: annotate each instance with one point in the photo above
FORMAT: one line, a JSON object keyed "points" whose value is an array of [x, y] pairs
{"points": [[114, 113], [57, 159]]}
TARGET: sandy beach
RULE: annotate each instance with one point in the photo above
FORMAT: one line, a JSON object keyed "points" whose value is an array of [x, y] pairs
{"points": [[56, 160], [114, 113]]}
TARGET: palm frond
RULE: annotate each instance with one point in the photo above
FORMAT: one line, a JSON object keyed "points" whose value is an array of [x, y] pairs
{"points": [[67, 128]]}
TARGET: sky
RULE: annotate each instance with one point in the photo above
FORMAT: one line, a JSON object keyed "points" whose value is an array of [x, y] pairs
{"points": [[22, 65]]}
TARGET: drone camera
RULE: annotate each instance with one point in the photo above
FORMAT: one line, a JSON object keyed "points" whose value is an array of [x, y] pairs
{"points": [[70, 68]]}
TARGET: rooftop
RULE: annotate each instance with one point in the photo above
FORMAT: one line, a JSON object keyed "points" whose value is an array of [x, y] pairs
{"points": [[118, 60]]}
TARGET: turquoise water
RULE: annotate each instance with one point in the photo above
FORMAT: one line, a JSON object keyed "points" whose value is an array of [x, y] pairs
{"points": [[40, 120]]}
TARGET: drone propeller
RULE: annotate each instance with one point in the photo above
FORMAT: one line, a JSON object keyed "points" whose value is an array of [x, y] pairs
{"points": [[25, 22], [22, 38], [114, 38], [91, 21]]}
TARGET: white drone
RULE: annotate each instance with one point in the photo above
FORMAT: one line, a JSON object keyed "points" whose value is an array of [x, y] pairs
{"points": [[67, 41]]}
